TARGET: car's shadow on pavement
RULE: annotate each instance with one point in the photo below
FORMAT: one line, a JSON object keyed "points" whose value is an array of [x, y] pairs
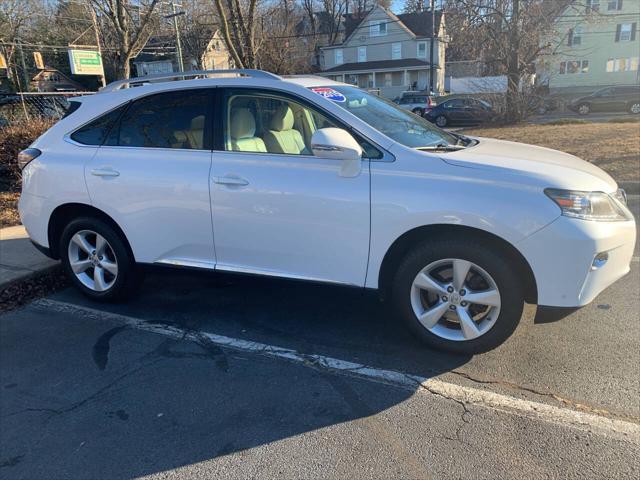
{"points": [[91, 399]]}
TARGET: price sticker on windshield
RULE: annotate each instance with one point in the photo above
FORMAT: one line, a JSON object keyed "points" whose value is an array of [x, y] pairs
{"points": [[330, 94]]}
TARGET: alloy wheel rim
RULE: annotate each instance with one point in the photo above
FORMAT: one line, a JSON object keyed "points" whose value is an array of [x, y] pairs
{"points": [[455, 299], [93, 260], [584, 109], [441, 121], [635, 108]]}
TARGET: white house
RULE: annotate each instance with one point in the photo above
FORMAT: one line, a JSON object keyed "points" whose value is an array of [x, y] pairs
{"points": [[388, 52]]}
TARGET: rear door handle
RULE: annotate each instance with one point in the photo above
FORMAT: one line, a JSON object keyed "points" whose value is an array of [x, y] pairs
{"points": [[229, 180], [105, 172]]}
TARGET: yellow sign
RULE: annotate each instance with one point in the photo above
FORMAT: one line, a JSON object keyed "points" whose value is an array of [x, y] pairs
{"points": [[85, 62], [37, 58], [3, 61]]}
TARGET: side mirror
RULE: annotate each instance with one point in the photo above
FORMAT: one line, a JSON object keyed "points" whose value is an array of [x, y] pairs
{"points": [[338, 144]]}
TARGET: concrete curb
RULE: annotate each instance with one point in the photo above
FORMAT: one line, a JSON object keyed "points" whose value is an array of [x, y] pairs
{"points": [[632, 187]]}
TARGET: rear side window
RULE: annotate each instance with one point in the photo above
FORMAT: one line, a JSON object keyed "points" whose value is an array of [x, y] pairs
{"points": [[73, 106], [165, 120], [95, 132]]}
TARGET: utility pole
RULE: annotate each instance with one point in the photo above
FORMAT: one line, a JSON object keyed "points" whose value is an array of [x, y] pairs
{"points": [[431, 47], [174, 15]]}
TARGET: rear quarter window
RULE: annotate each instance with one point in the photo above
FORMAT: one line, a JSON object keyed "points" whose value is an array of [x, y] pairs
{"points": [[96, 131]]}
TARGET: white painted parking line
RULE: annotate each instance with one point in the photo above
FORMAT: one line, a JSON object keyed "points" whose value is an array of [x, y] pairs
{"points": [[462, 394]]}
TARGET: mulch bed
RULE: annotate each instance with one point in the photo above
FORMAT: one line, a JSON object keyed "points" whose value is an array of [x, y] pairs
{"points": [[36, 286]]}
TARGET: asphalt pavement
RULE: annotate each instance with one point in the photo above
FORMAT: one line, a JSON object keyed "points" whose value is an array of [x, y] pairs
{"points": [[204, 376]]}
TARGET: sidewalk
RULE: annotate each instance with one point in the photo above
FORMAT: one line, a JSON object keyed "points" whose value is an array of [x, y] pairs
{"points": [[19, 259]]}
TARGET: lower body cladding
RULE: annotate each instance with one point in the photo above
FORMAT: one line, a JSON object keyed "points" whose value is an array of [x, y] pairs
{"points": [[574, 260]]}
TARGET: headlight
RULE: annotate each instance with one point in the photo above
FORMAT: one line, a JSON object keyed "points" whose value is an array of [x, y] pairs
{"points": [[597, 206]]}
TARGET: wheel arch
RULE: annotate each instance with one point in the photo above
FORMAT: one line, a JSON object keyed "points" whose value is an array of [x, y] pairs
{"points": [[403, 244], [65, 213]]}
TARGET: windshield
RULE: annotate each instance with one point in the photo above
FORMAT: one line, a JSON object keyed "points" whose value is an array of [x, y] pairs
{"points": [[398, 124]]}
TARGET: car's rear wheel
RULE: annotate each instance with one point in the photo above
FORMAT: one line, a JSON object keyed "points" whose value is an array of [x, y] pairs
{"points": [[441, 121], [96, 259], [458, 295], [634, 108], [418, 111], [584, 109]]}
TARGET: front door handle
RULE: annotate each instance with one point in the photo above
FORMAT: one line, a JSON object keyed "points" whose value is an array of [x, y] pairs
{"points": [[105, 172], [229, 180]]}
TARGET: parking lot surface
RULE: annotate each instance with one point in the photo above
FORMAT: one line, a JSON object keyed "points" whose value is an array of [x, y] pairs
{"points": [[149, 388]]}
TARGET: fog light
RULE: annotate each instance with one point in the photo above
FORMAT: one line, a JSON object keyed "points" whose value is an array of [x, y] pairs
{"points": [[599, 260]]}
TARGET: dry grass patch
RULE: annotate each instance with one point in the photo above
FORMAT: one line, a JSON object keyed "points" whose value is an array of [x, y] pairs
{"points": [[614, 147], [9, 209]]}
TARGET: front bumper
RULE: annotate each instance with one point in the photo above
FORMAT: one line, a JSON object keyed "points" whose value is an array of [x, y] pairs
{"points": [[562, 255]]}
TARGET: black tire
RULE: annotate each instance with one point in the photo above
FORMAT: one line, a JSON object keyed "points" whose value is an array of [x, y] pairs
{"points": [[584, 109], [486, 257], [418, 111], [634, 108], [441, 121], [128, 275]]}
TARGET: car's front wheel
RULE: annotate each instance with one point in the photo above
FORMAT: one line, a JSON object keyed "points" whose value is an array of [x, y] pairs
{"points": [[458, 295], [441, 121], [634, 108], [96, 259]]}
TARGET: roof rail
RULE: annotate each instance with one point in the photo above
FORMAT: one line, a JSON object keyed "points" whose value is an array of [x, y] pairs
{"points": [[113, 86]]}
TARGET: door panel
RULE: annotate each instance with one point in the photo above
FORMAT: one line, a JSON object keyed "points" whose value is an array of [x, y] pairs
{"points": [[152, 177], [277, 209], [295, 217], [160, 199]]}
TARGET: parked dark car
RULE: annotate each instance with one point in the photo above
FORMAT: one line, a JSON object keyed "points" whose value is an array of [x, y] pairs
{"points": [[460, 111], [623, 98]]}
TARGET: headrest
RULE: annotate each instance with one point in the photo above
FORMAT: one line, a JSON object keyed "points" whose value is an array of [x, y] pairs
{"points": [[243, 124], [197, 123], [282, 119]]}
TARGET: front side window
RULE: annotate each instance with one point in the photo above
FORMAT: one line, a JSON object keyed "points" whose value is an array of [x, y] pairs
{"points": [[388, 118], [165, 120], [96, 131], [269, 123]]}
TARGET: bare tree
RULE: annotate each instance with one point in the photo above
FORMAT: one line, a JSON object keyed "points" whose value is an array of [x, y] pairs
{"points": [[131, 26], [238, 26], [513, 35], [14, 17]]}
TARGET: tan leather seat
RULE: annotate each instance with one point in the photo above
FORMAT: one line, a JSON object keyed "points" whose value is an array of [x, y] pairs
{"points": [[282, 137], [196, 134], [242, 129]]}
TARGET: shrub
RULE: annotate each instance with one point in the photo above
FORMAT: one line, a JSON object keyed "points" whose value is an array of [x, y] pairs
{"points": [[13, 138]]}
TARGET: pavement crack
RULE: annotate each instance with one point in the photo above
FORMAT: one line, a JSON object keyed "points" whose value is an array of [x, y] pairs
{"points": [[565, 401]]}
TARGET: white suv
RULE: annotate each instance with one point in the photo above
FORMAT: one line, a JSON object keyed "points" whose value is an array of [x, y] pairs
{"points": [[310, 179]]}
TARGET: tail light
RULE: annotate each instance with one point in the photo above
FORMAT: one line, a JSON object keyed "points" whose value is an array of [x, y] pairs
{"points": [[25, 156]]}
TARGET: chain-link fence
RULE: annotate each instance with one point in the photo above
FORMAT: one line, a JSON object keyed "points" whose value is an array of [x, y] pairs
{"points": [[25, 106]]}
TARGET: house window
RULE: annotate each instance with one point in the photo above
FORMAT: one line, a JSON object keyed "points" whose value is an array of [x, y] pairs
{"points": [[396, 51], [626, 32], [614, 5], [422, 49], [593, 5], [629, 64], [377, 28], [387, 79], [362, 54], [338, 57], [574, 66], [577, 35]]}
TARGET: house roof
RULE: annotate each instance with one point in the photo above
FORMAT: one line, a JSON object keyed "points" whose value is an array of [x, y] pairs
{"points": [[418, 23], [378, 65]]}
